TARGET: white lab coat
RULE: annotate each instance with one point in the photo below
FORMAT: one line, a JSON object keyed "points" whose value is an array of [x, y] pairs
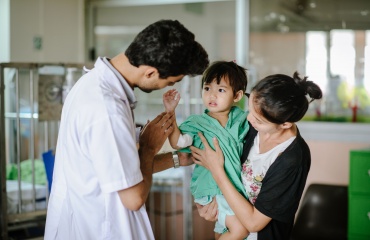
{"points": [[96, 156]]}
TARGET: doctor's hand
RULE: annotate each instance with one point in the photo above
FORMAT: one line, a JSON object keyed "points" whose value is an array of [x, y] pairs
{"points": [[154, 133], [209, 212], [186, 159], [211, 159]]}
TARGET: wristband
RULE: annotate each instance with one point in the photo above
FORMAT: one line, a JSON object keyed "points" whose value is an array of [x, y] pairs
{"points": [[175, 158]]}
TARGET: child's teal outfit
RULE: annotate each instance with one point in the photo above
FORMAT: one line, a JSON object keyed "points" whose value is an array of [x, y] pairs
{"points": [[231, 141]]}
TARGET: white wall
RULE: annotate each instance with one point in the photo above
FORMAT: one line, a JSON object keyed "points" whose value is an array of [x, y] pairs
{"points": [[4, 30], [330, 145], [209, 25], [59, 23]]}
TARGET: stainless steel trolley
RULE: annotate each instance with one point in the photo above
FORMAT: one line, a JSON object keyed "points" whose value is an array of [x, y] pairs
{"points": [[28, 127]]}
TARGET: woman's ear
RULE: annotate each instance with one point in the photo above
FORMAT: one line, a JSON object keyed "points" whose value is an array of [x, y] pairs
{"points": [[286, 125], [239, 94]]}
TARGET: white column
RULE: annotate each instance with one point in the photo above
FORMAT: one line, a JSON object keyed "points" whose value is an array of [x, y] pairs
{"points": [[4, 30], [242, 32]]}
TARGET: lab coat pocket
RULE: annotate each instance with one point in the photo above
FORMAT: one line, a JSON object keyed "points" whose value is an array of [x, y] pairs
{"points": [[54, 216], [106, 230], [74, 232]]}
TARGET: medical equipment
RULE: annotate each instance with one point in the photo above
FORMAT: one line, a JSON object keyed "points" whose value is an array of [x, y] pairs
{"points": [[31, 100]]}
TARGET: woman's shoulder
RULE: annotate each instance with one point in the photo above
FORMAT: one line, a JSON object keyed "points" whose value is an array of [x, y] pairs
{"points": [[296, 154], [299, 144]]}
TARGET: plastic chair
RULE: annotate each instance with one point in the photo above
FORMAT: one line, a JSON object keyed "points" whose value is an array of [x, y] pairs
{"points": [[323, 214]]}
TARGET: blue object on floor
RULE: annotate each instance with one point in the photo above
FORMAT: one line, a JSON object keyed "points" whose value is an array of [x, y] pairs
{"points": [[49, 159]]}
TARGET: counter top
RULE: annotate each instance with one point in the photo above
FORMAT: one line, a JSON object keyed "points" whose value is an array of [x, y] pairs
{"points": [[335, 131]]}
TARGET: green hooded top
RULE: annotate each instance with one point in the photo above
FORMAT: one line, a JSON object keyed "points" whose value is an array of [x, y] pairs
{"points": [[231, 140]]}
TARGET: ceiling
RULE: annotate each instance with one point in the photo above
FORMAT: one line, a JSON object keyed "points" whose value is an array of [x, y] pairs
{"points": [[284, 15], [304, 15]]}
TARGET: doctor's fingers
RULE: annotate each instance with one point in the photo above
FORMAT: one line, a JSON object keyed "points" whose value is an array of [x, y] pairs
{"points": [[167, 120], [167, 132], [144, 127], [164, 117], [159, 137], [157, 130], [158, 118]]}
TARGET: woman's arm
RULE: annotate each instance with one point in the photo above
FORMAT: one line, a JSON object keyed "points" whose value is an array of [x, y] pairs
{"points": [[252, 219]]}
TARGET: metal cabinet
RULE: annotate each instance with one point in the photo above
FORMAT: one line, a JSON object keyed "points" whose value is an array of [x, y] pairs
{"points": [[359, 195]]}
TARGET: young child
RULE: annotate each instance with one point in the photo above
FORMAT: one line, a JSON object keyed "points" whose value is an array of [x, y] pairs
{"points": [[224, 84]]}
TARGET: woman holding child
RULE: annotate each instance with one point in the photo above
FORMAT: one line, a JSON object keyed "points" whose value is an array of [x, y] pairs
{"points": [[275, 160]]}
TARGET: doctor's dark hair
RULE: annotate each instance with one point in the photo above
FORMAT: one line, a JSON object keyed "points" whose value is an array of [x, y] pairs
{"points": [[235, 74], [280, 98], [169, 47]]}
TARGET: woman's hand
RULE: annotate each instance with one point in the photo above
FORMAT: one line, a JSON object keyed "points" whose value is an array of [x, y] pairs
{"points": [[171, 99], [211, 159], [209, 212]]}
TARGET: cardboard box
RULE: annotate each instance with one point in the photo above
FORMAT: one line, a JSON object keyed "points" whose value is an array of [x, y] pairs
{"points": [[165, 210]]}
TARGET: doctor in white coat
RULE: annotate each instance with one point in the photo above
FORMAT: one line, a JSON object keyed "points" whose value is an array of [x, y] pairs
{"points": [[101, 180]]}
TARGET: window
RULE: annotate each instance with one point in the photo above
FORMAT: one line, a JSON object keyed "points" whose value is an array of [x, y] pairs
{"points": [[316, 58], [339, 62]]}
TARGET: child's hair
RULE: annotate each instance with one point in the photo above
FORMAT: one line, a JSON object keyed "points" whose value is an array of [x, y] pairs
{"points": [[280, 98], [235, 74], [169, 47]]}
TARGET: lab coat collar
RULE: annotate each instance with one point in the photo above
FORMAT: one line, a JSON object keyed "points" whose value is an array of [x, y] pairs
{"points": [[102, 63]]}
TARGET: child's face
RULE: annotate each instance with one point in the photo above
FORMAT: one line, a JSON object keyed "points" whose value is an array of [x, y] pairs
{"points": [[218, 98]]}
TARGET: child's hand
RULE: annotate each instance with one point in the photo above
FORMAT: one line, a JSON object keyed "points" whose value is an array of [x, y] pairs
{"points": [[209, 212], [170, 100]]}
